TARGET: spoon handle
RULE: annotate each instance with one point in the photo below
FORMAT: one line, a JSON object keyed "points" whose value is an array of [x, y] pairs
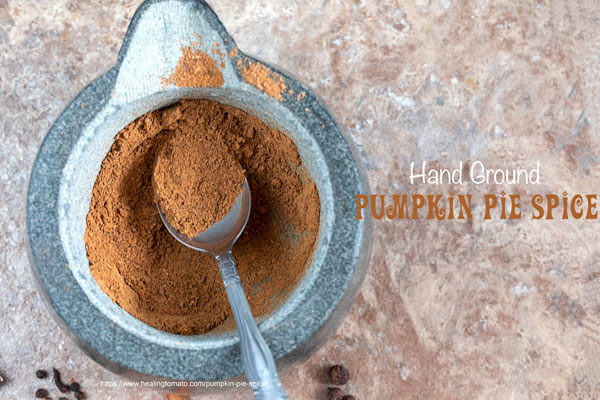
{"points": [[256, 356]]}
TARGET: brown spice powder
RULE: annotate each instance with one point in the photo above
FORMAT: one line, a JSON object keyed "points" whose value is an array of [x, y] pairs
{"points": [[196, 180], [263, 79], [195, 69], [163, 283]]}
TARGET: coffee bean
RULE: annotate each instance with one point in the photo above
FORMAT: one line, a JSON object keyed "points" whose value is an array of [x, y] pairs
{"points": [[75, 387], [41, 393], [338, 375], [41, 374], [335, 394]]}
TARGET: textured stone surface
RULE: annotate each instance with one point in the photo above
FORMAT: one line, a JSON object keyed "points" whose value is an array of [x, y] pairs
{"points": [[448, 309]]}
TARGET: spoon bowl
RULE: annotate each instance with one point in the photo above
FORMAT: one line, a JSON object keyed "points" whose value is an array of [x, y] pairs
{"points": [[220, 237]]}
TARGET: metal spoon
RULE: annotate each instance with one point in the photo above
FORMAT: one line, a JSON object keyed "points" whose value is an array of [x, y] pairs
{"points": [[218, 240]]}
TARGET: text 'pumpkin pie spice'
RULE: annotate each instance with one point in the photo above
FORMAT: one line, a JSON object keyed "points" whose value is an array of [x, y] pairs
{"points": [[139, 265], [196, 179]]}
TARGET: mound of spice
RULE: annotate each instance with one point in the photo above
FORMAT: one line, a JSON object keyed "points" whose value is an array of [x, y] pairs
{"points": [[195, 68], [196, 179], [139, 265]]}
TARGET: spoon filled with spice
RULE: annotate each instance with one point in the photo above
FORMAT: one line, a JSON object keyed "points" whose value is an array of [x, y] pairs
{"points": [[203, 199]]}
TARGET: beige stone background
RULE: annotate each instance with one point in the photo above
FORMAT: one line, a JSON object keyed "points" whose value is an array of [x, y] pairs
{"points": [[449, 310]]}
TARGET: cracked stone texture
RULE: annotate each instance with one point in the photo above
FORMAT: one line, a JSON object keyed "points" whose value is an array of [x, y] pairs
{"points": [[449, 310]]}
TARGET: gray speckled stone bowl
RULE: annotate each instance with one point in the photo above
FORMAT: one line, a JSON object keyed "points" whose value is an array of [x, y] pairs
{"points": [[69, 160]]}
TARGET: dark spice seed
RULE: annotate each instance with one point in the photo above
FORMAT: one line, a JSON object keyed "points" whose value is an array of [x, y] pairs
{"points": [[41, 393], [338, 375], [335, 394], [79, 395], [41, 374], [349, 397], [64, 388], [75, 387]]}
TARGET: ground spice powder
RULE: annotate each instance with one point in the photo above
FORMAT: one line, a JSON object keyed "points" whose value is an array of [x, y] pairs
{"points": [[195, 68], [196, 179], [263, 79], [167, 285]]}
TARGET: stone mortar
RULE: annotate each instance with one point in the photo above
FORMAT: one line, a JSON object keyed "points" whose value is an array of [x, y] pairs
{"points": [[69, 160]]}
